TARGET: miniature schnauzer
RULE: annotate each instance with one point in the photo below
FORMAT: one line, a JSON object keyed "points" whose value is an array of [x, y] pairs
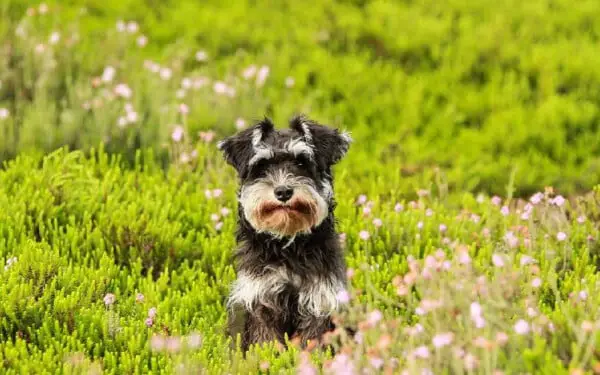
{"points": [[289, 262]]}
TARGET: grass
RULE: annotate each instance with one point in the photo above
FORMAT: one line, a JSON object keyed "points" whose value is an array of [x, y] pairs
{"points": [[117, 212]]}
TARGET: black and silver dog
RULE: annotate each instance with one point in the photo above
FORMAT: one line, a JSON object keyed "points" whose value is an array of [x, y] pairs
{"points": [[289, 262]]}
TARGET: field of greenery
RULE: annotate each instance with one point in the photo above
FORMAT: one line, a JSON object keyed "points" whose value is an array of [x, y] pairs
{"points": [[468, 204]]}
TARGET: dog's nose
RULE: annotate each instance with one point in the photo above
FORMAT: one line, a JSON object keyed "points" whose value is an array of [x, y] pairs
{"points": [[283, 193]]}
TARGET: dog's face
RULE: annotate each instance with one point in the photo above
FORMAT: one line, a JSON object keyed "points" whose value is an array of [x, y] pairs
{"points": [[286, 181]]}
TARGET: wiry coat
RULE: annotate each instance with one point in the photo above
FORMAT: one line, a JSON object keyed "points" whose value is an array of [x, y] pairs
{"points": [[286, 285]]}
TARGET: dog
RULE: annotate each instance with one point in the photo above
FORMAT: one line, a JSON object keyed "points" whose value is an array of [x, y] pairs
{"points": [[289, 260]]}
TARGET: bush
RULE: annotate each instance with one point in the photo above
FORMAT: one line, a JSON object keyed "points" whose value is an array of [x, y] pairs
{"points": [[478, 92], [127, 269]]}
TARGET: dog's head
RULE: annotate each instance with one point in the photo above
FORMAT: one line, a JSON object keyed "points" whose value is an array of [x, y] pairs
{"points": [[286, 180]]}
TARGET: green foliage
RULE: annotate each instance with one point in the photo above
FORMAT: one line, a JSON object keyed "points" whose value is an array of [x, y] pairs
{"points": [[474, 90], [76, 229]]}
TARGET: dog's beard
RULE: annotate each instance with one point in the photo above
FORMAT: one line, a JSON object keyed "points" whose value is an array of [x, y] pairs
{"points": [[304, 211]]}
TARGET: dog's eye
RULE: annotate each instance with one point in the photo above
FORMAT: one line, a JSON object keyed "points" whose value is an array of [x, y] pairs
{"points": [[302, 161]]}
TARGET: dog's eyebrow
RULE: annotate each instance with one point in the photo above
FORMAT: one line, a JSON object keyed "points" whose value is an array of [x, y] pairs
{"points": [[261, 150], [297, 146]]}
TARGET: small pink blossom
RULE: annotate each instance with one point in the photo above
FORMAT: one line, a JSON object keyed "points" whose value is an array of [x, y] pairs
{"points": [[165, 74], [157, 343], [121, 26], [177, 134], [109, 299], [290, 82], [43, 8], [240, 123], [398, 207], [139, 298], [262, 75], [219, 225], [421, 352], [123, 91], [149, 322], [420, 225], [364, 235], [376, 362], [464, 258], [428, 212], [214, 217], [583, 295], [559, 200], [152, 312], [377, 222], [471, 361], [374, 317], [442, 339], [220, 87], [521, 327], [343, 297], [225, 211], [505, 211], [342, 365], [443, 228], [496, 200], [122, 122], [501, 338], [173, 344], [536, 282], [4, 113], [132, 117], [362, 199], [561, 236], [581, 219], [207, 136], [184, 109], [217, 193], [536, 198], [475, 218], [132, 27], [54, 38], [108, 74], [142, 40], [526, 259], [498, 260], [249, 72], [201, 56]]}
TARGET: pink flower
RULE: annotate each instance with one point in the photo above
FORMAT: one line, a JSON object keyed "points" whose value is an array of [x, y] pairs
{"points": [[559, 200], [398, 207], [132, 117], [511, 240], [536, 198], [157, 343], [428, 212], [194, 340], [220, 87], [177, 134], [184, 109], [207, 136], [121, 26], [376, 362], [173, 344], [443, 228], [341, 365], [374, 317], [362, 199], [123, 90], [583, 295], [364, 235], [108, 74], [501, 338], [442, 339], [536, 282], [471, 361], [289, 82], [132, 27], [109, 299], [305, 367], [165, 74], [249, 72], [526, 259], [497, 260], [421, 352], [262, 75], [420, 225], [343, 296], [201, 56], [581, 219], [475, 218], [149, 322], [214, 217], [139, 298], [561, 236], [504, 211], [217, 193], [54, 38], [521, 327], [4, 113], [152, 312], [377, 222], [219, 225], [464, 258], [43, 8], [141, 41], [225, 211], [122, 122], [240, 123], [496, 200]]}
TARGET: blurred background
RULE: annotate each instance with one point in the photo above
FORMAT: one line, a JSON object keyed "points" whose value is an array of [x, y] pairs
{"points": [[455, 95]]}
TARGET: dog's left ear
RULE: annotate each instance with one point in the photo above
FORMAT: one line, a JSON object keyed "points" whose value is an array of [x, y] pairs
{"points": [[330, 144], [239, 149]]}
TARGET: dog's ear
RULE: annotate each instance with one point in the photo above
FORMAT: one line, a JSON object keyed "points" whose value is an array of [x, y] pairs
{"points": [[330, 144], [239, 149]]}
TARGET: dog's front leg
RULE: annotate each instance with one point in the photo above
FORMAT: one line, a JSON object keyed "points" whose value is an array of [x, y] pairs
{"points": [[311, 328], [262, 325]]}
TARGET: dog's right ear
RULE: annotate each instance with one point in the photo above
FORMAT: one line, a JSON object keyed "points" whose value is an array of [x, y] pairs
{"points": [[239, 149]]}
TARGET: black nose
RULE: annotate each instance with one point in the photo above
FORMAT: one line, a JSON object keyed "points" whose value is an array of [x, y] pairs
{"points": [[283, 193]]}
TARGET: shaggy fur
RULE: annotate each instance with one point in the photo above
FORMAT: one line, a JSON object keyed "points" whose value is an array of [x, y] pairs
{"points": [[289, 261]]}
